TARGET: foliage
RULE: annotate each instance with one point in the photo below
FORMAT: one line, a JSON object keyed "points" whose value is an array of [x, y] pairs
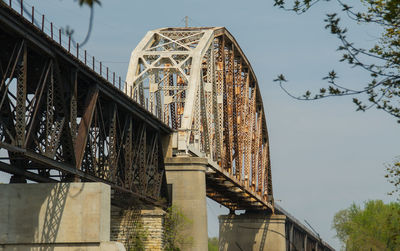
{"points": [[70, 32], [381, 61], [139, 237], [393, 175], [213, 244], [175, 224], [90, 3], [376, 227]]}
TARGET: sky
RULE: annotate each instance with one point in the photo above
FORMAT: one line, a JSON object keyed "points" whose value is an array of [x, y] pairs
{"points": [[324, 154]]}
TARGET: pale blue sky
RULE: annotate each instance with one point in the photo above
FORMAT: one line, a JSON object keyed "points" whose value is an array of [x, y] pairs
{"points": [[324, 154]]}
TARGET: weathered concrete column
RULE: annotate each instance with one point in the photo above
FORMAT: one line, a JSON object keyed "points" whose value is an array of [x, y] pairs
{"points": [[252, 232], [187, 176], [144, 225], [57, 216]]}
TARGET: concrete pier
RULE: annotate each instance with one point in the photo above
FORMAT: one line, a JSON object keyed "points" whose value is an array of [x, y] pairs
{"points": [[252, 231], [56, 216], [127, 225], [187, 176]]}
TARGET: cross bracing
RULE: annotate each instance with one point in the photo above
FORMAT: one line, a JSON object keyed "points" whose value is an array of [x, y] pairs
{"points": [[199, 82], [63, 120], [60, 121]]}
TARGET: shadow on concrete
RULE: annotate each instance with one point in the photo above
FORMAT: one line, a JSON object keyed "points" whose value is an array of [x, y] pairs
{"points": [[252, 231], [53, 215], [240, 236], [54, 212], [37, 214]]}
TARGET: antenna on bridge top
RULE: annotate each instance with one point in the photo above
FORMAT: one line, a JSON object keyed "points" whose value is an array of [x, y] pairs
{"points": [[186, 21]]}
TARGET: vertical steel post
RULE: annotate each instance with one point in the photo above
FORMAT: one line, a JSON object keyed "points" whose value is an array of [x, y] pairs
{"points": [[20, 107], [77, 51]]}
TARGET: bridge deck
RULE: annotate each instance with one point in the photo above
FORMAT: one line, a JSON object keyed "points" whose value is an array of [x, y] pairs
{"points": [[230, 192]]}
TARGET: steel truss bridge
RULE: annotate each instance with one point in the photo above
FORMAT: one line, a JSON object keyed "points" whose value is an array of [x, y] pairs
{"points": [[62, 121], [199, 82], [189, 90]]}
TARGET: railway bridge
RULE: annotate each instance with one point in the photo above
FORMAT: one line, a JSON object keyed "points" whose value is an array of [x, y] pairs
{"points": [[88, 152]]}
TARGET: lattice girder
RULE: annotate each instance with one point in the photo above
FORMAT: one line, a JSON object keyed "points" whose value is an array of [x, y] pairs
{"points": [[200, 83]]}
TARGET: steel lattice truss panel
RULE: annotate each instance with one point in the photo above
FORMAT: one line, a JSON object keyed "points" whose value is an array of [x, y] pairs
{"points": [[200, 83], [61, 121]]}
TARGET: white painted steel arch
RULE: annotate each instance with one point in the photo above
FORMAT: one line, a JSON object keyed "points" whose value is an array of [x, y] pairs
{"points": [[199, 82]]}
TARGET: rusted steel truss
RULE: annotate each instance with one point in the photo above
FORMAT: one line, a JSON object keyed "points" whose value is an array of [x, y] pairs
{"points": [[199, 82], [60, 121]]}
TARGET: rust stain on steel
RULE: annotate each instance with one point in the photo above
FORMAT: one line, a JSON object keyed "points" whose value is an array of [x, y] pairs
{"points": [[195, 81], [210, 95], [84, 125]]}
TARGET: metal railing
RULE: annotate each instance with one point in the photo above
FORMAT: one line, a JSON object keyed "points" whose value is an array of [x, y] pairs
{"points": [[59, 36]]}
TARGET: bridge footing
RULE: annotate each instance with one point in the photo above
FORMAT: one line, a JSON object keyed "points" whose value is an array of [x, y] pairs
{"points": [[252, 231], [138, 227], [56, 216], [187, 176]]}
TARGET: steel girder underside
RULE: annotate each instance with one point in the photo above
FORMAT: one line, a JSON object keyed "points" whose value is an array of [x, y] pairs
{"points": [[60, 121], [200, 83]]}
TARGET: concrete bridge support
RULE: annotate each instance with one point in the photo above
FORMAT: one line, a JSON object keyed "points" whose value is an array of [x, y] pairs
{"points": [[143, 224], [187, 176], [252, 231], [56, 216]]}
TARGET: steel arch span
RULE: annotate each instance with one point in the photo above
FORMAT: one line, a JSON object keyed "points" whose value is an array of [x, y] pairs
{"points": [[200, 83]]}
